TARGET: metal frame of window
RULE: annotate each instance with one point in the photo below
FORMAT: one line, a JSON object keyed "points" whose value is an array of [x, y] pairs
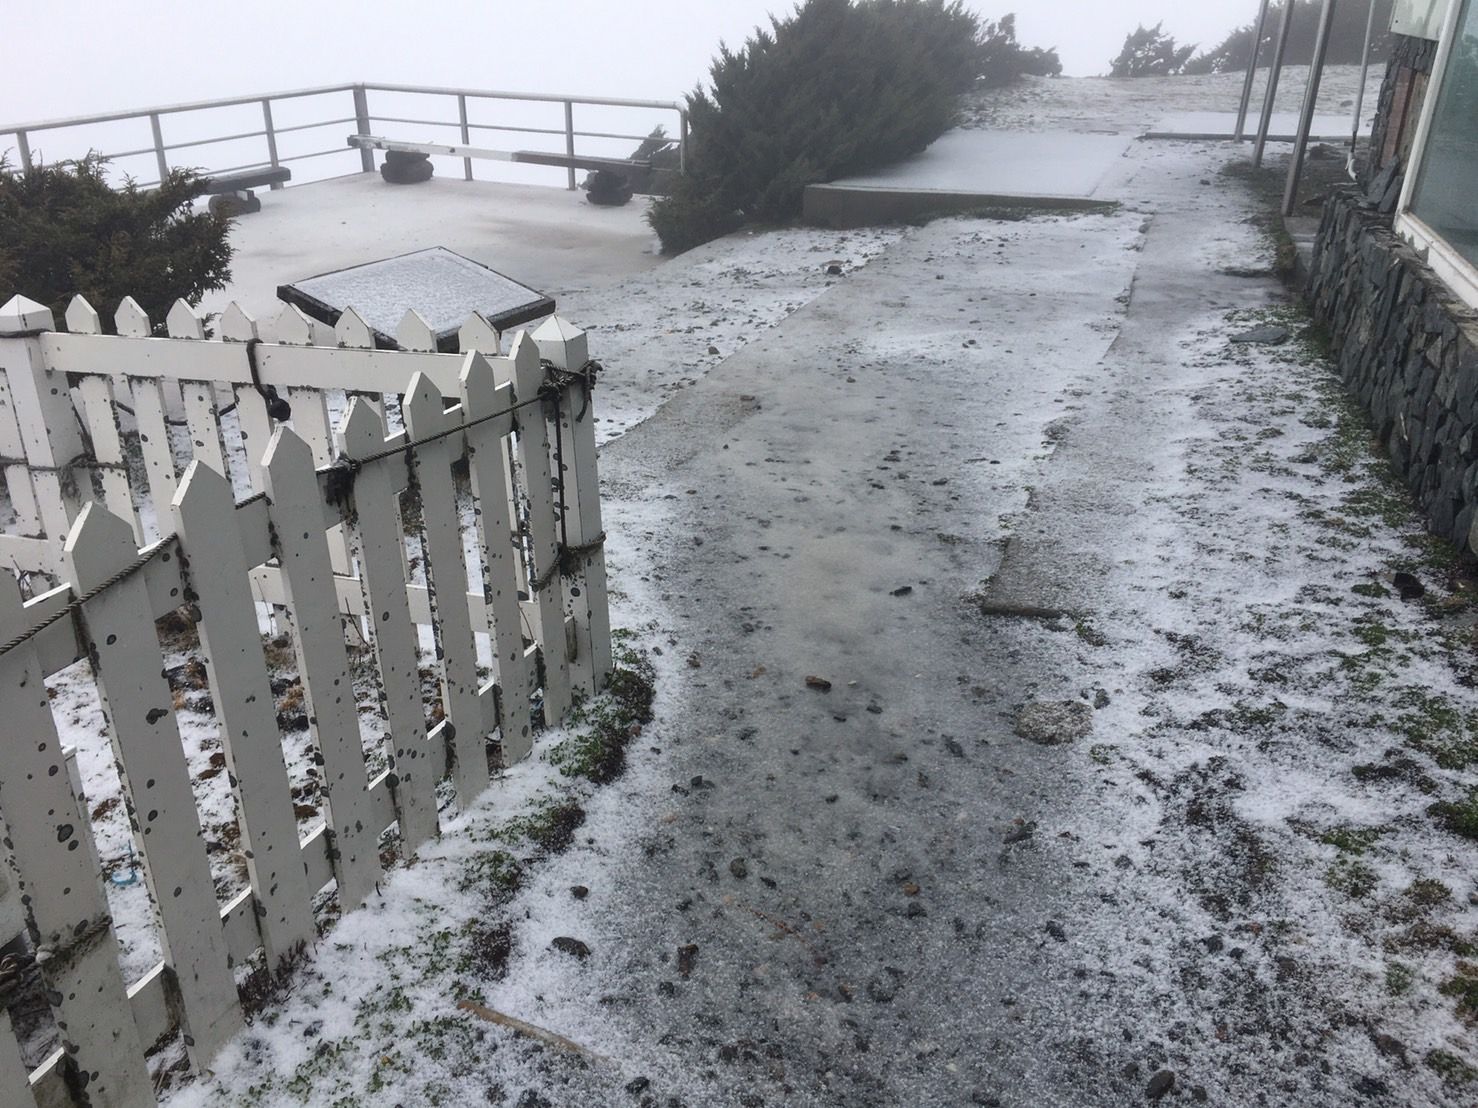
{"points": [[1456, 271]]}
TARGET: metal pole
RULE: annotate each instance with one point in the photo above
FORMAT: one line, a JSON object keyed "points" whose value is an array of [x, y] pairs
{"points": [[362, 124], [1364, 80], [682, 142], [466, 133], [1311, 101], [1272, 94], [271, 137], [570, 138], [23, 148], [159, 146], [1262, 25]]}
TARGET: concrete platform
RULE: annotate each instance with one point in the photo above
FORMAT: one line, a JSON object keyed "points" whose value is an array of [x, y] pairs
{"points": [[1209, 126], [547, 238], [972, 169]]}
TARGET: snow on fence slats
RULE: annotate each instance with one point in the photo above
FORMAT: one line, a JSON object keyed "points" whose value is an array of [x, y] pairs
{"points": [[153, 772], [313, 544], [63, 891]]}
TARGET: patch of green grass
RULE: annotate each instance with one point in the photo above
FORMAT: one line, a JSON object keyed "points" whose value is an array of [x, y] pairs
{"points": [[1458, 816], [1373, 589], [1428, 892], [495, 871], [1434, 725], [605, 727], [1102, 753], [1355, 879], [1399, 977], [1352, 840], [1452, 1069]]}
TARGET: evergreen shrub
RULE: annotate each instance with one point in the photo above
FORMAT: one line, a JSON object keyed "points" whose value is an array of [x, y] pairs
{"points": [[65, 230]]}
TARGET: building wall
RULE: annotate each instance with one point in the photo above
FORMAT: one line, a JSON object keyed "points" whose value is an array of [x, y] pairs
{"points": [[1402, 95], [1407, 350]]}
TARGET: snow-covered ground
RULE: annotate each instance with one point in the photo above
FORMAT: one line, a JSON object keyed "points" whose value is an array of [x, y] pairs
{"points": [[992, 466]]}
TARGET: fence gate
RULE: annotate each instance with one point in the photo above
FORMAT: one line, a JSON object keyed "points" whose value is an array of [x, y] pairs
{"points": [[303, 642]]}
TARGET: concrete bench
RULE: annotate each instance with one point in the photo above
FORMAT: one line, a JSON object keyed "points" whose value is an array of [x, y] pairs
{"points": [[231, 193]]}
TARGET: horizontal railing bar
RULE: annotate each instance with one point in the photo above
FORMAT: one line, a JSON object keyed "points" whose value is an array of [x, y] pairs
{"points": [[168, 109], [311, 126], [305, 157], [416, 122], [536, 97], [517, 130], [208, 141]]}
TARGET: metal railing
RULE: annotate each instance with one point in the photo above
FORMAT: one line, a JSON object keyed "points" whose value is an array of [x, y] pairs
{"points": [[361, 117]]}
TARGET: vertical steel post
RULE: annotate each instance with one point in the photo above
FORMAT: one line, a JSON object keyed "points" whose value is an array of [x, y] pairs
{"points": [[362, 124], [1262, 24], [1364, 78], [159, 157], [570, 138], [682, 141], [271, 137], [466, 133], [1272, 94], [1311, 101], [23, 148]]}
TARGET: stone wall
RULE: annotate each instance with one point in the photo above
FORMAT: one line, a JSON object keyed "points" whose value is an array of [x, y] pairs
{"points": [[1408, 351]]}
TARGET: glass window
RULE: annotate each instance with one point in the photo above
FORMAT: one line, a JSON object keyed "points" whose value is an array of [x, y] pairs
{"points": [[1446, 197]]}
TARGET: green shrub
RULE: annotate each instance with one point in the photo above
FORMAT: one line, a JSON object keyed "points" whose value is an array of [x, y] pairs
{"points": [[1346, 42], [64, 230], [838, 87], [1150, 52]]}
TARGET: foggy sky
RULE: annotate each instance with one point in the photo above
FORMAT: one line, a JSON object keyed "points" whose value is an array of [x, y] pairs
{"points": [[71, 57]]}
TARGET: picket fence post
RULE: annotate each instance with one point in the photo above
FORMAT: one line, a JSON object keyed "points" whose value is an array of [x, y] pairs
{"points": [[567, 348], [77, 950], [48, 427]]}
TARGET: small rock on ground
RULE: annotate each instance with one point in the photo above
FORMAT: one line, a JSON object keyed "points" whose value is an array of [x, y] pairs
{"points": [[1052, 722]]}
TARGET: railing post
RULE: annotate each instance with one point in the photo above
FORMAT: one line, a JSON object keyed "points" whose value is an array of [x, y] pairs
{"points": [[1271, 98], [466, 133], [1262, 24], [570, 138], [271, 136], [159, 157], [682, 141], [43, 413], [1311, 102], [362, 125], [23, 148]]}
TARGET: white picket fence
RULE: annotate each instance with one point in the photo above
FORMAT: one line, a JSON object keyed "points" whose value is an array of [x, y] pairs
{"points": [[313, 534]]}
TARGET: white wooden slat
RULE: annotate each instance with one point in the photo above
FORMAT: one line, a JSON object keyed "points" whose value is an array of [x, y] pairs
{"points": [[533, 446], [566, 347], [446, 581], [100, 410], [17, 475], [148, 412], [289, 326], [313, 616], [281, 366], [15, 1081], [61, 890], [237, 325], [142, 728], [480, 335], [310, 421], [215, 567], [49, 433], [82, 318], [352, 331], [131, 321], [378, 541], [481, 397], [256, 430], [414, 333], [183, 322], [205, 426]]}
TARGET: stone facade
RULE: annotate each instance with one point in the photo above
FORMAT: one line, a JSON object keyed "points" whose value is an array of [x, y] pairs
{"points": [[1408, 351]]}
